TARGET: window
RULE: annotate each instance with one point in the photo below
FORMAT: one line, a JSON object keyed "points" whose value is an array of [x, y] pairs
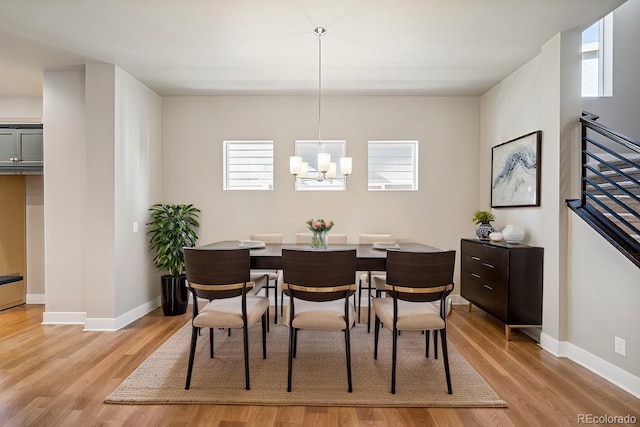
{"points": [[393, 165], [248, 165], [308, 150], [597, 58]]}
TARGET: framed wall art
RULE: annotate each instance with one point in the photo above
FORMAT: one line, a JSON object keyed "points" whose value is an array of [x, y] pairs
{"points": [[515, 172]]}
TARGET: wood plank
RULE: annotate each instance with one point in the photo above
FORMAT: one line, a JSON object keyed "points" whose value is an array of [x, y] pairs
{"points": [[60, 375]]}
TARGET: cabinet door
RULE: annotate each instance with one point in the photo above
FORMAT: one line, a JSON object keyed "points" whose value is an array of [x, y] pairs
{"points": [[7, 147], [30, 147]]}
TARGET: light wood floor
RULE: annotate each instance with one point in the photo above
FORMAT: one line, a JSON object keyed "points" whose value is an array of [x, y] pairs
{"points": [[58, 375]]}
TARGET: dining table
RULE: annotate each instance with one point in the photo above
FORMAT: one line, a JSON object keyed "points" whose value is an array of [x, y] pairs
{"points": [[368, 257]]}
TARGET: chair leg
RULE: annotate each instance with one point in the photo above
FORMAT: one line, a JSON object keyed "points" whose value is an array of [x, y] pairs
{"points": [[290, 365], [275, 302], [211, 342], [192, 353], [245, 333], [369, 307], [265, 322], [295, 343], [445, 356], [266, 292], [359, 299], [347, 344], [376, 333], [393, 361], [435, 344], [281, 303], [427, 336]]}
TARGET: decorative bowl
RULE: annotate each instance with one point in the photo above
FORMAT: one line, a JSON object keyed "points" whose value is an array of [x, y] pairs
{"points": [[496, 236]]}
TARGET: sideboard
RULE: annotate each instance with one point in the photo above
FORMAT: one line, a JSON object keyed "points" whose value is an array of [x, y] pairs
{"points": [[503, 279]]}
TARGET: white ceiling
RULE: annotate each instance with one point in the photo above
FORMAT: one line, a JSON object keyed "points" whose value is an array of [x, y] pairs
{"points": [[422, 47]]}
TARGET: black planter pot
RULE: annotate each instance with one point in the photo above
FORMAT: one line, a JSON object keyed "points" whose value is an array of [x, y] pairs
{"points": [[175, 296]]}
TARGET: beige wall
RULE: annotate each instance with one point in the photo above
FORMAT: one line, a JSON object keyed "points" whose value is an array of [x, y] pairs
{"points": [[194, 128], [64, 196], [138, 183], [102, 157]]}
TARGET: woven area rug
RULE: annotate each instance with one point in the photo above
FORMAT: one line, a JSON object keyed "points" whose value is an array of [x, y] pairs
{"points": [[319, 373]]}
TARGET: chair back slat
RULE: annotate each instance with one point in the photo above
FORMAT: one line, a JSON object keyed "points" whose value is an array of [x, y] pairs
{"points": [[318, 269], [420, 270], [213, 269]]}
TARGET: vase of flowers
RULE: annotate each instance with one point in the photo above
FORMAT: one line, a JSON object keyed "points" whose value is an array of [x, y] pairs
{"points": [[319, 228], [483, 220]]}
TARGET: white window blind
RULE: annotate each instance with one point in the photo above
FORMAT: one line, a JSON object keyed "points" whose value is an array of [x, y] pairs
{"points": [[393, 165], [248, 165]]}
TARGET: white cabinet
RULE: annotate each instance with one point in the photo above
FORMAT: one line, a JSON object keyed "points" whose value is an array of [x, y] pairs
{"points": [[21, 149]]}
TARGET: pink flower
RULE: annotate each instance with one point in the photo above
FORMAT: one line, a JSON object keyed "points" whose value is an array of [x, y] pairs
{"points": [[316, 224]]}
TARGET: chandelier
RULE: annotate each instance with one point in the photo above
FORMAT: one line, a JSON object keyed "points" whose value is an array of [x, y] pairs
{"points": [[326, 168]]}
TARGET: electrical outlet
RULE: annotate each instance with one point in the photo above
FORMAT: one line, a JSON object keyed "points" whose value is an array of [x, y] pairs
{"points": [[619, 346]]}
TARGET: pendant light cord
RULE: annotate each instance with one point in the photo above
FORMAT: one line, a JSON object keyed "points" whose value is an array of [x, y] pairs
{"points": [[319, 31]]}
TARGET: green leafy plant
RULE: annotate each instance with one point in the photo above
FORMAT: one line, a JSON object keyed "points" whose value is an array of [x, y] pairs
{"points": [[480, 217], [172, 227]]}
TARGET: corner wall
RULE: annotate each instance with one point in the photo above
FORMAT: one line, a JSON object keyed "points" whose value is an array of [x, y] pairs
{"points": [[544, 94], [102, 157]]}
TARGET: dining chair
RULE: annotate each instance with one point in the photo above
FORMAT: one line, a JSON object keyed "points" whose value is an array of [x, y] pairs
{"points": [[414, 281], [305, 239], [363, 282], [272, 276], [319, 296], [221, 276]]}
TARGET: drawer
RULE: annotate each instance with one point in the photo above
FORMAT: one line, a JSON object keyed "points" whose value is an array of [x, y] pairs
{"points": [[486, 252], [490, 298], [485, 271]]}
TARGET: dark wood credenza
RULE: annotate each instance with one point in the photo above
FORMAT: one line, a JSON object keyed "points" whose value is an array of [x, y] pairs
{"points": [[503, 279]]}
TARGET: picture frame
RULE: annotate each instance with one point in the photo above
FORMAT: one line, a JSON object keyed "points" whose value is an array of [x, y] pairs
{"points": [[515, 172]]}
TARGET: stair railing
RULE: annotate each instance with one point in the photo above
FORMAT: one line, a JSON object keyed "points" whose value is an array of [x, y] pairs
{"points": [[619, 155]]}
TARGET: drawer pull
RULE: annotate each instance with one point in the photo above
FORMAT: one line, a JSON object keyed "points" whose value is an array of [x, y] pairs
{"points": [[475, 258], [488, 265], [488, 287], [477, 276]]}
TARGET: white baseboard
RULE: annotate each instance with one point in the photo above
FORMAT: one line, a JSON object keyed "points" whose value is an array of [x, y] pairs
{"points": [[63, 317], [99, 323], [605, 369], [35, 298]]}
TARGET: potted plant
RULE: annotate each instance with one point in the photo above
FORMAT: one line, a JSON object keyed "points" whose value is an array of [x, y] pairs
{"points": [[483, 220], [172, 227]]}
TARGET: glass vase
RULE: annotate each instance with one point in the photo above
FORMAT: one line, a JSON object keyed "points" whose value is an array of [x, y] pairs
{"points": [[319, 240]]}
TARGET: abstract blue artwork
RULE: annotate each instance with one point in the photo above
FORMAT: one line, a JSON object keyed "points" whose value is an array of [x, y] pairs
{"points": [[515, 172]]}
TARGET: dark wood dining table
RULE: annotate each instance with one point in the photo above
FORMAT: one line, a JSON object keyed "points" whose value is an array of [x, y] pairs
{"points": [[368, 258]]}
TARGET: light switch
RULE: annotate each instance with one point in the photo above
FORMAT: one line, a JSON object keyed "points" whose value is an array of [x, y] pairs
{"points": [[135, 226]]}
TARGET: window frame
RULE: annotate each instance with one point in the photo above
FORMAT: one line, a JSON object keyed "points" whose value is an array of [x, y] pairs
{"points": [[226, 163], [414, 143], [604, 57]]}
